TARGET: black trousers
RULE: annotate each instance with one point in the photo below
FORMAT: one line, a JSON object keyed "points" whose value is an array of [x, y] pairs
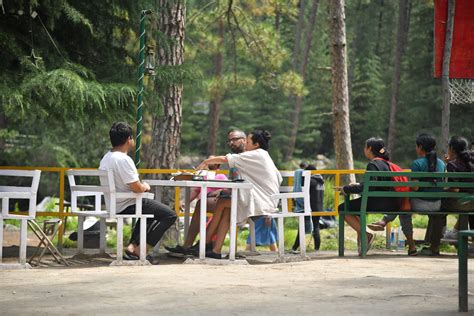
{"points": [[438, 222], [163, 218], [373, 204], [316, 234]]}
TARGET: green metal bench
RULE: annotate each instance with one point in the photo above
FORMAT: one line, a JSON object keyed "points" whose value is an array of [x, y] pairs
{"points": [[372, 189], [463, 236]]}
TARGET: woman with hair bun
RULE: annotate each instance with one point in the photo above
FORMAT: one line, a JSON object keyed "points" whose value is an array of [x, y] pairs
{"points": [[257, 167], [375, 151], [460, 158]]}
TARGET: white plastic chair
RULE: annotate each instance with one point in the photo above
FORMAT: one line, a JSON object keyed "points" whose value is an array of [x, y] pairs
{"points": [[107, 189], [18, 192], [286, 193]]}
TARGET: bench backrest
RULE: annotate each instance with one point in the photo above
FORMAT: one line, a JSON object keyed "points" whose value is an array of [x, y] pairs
{"points": [[106, 188], [444, 180], [287, 192], [29, 192]]}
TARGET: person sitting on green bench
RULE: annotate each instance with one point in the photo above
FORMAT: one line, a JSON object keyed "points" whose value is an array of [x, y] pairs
{"points": [[375, 151], [459, 159], [427, 162]]}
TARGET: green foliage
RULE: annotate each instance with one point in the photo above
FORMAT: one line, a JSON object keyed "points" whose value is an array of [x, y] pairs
{"points": [[71, 71]]}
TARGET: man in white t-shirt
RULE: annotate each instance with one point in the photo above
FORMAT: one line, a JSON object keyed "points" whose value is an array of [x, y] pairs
{"points": [[126, 180]]}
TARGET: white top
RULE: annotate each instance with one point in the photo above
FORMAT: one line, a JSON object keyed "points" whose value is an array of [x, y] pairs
{"points": [[124, 171], [257, 167]]}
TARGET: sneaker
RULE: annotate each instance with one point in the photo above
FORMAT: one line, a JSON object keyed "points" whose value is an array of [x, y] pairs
{"points": [[426, 251], [212, 254], [209, 246], [178, 249], [451, 234], [151, 259], [194, 249]]}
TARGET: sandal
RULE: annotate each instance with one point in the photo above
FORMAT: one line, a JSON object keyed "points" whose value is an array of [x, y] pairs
{"points": [[128, 255], [370, 241], [413, 252], [377, 226]]}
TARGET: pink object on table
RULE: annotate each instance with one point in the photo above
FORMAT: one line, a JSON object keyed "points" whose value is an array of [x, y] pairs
{"points": [[219, 176]]}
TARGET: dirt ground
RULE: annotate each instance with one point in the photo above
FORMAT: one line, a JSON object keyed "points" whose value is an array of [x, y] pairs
{"points": [[383, 283]]}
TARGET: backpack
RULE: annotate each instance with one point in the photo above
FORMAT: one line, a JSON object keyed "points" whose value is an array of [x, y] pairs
{"points": [[395, 168], [316, 195], [405, 202]]}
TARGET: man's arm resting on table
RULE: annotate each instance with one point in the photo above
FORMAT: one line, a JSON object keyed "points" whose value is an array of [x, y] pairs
{"points": [[139, 187]]}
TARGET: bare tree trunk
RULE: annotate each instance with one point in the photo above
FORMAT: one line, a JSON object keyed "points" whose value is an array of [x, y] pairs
{"points": [[354, 47], [277, 17], [216, 95], [302, 72], [167, 126], [296, 54], [340, 93], [379, 27], [445, 113], [3, 125], [298, 32], [402, 35]]}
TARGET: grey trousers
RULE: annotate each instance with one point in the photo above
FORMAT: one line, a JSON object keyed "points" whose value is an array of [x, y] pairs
{"points": [[416, 205]]}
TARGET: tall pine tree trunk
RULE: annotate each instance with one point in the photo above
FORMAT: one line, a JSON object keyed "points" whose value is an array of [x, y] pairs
{"points": [[302, 72], [167, 125], [355, 46], [445, 113], [402, 35], [216, 95], [379, 27], [298, 33], [340, 93], [277, 17], [296, 54], [3, 125]]}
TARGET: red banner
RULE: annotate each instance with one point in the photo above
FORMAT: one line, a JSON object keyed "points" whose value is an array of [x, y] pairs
{"points": [[462, 51]]}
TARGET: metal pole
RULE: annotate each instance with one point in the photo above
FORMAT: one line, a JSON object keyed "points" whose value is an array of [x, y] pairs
{"points": [[141, 74]]}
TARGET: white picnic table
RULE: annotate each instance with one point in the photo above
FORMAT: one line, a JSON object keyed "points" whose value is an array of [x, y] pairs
{"points": [[204, 184]]}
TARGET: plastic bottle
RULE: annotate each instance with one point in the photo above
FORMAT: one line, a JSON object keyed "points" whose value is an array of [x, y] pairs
{"points": [[401, 240], [394, 238]]}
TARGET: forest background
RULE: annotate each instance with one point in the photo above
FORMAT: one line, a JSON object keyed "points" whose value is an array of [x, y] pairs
{"points": [[69, 69]]}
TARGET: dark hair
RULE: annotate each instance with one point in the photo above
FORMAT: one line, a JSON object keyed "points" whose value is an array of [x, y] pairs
{"points": [[428, 145], [119, 133], [238, 131], [214, 166], [460, 146], [377, 147], [303, 165], [261, 137], [310, 167]]}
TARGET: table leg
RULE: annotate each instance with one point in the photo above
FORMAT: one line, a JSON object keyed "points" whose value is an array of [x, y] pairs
{"points": [[187, 194], [23, 240], [202, 222], [233, 224], [1, 239], [462, 259]]}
